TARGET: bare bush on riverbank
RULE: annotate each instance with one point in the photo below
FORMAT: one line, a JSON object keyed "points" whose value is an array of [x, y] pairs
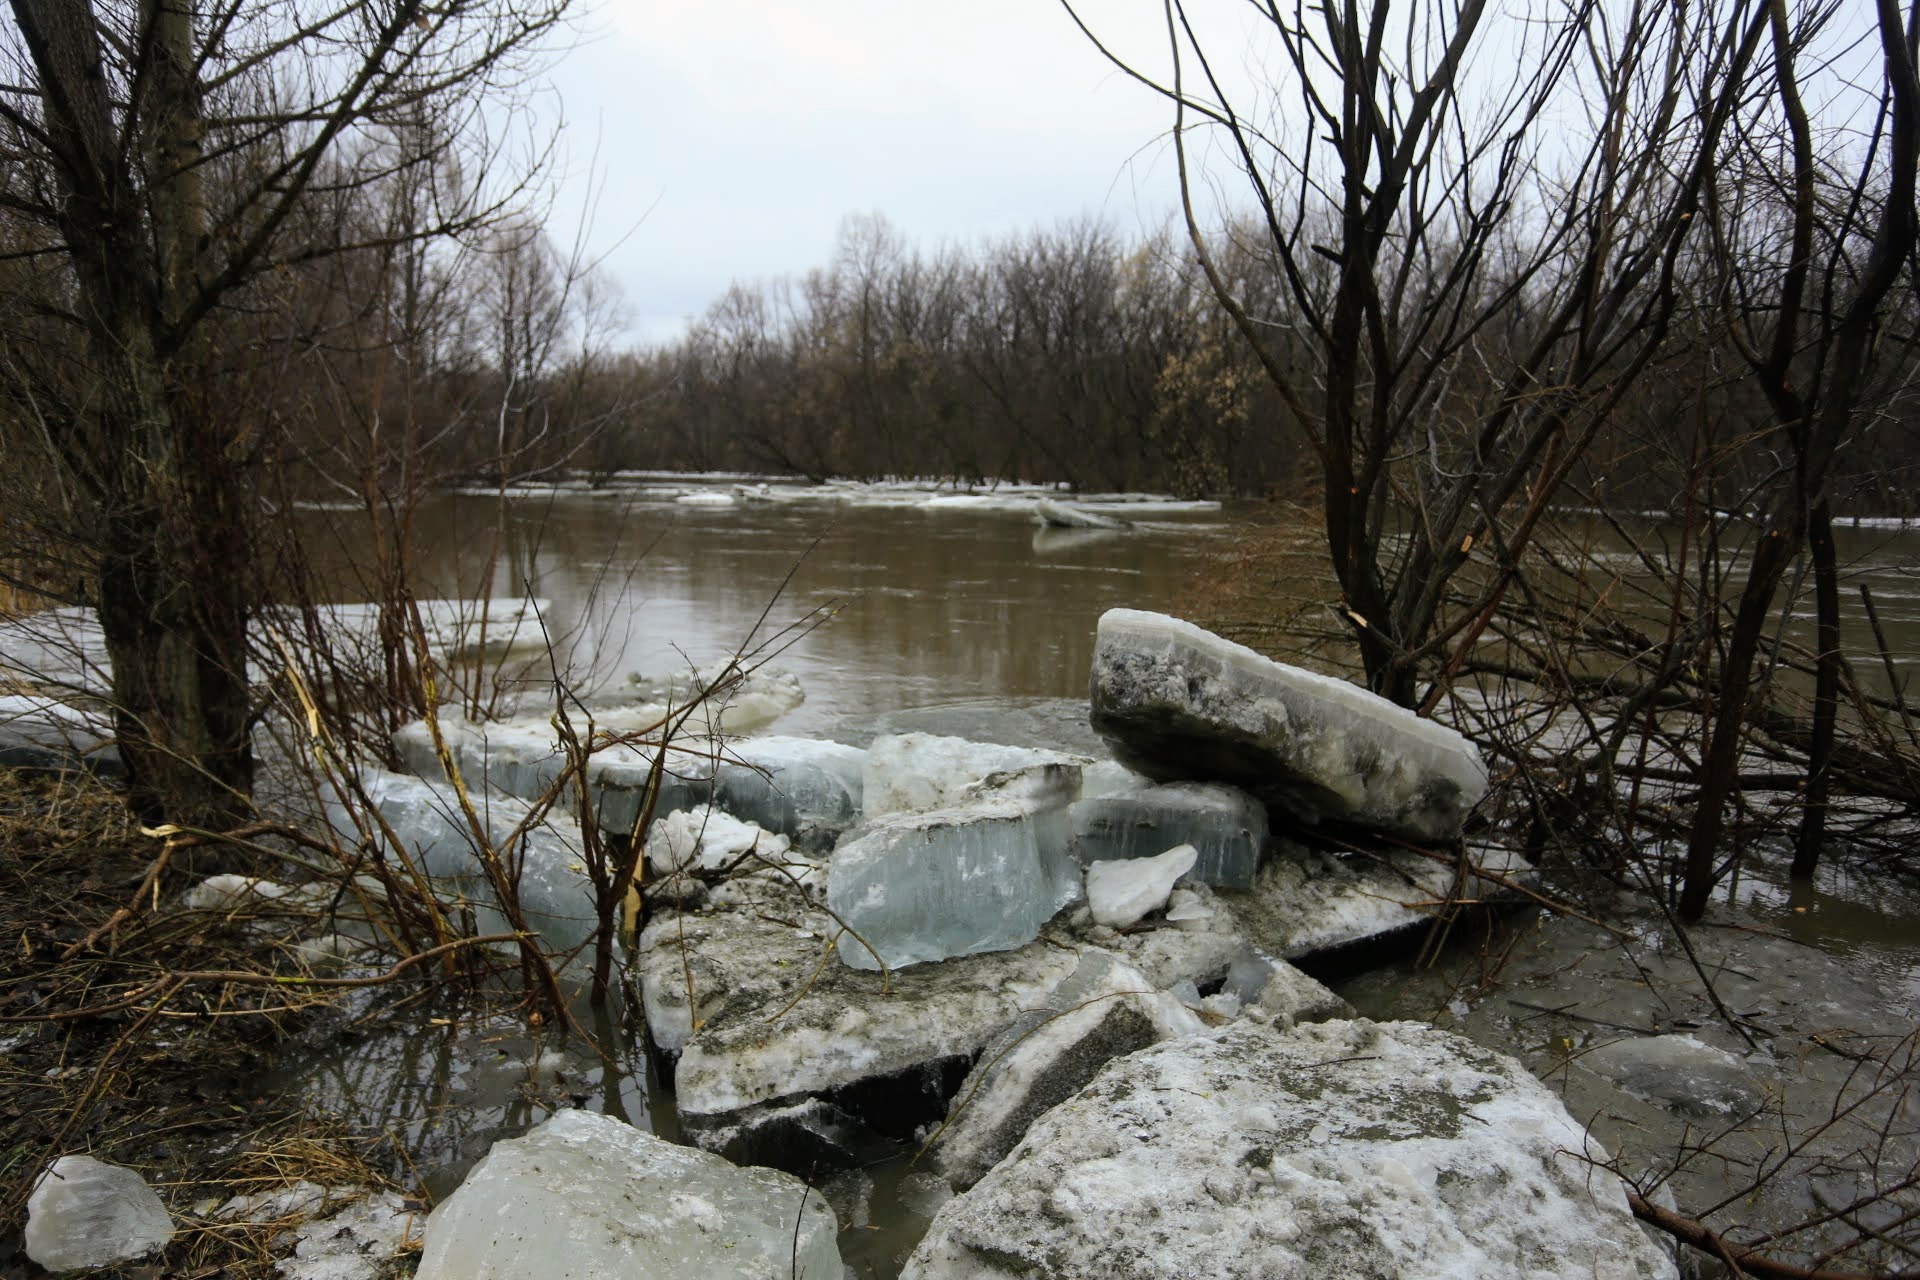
{"points": [[1462, 314]]}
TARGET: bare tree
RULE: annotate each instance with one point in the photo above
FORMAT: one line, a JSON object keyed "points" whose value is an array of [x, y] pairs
{"points": [[161, 153], [1808, 260], [1469, 284]]}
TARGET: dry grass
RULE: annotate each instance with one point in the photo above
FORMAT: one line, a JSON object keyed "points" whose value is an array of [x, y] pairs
{"points": [[102, 1053]]}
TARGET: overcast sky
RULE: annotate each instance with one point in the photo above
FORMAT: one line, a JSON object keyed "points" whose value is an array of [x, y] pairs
{"points": [[739, 133]]}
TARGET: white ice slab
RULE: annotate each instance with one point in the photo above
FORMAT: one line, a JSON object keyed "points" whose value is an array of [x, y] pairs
{"points": [[1123, 891], [950, 882], [1103, 1010], [1178, 702], [904, 772], [87, 1213], [705, 839], [1350, 1149], [587, 1195]]}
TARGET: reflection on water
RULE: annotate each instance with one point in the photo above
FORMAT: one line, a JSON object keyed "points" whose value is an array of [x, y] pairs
{"points": [[445, 1088], [1884, 562]]}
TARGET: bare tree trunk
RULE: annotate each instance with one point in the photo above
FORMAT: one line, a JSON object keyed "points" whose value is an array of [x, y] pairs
{"points": [[1826, 693], [173, 592], [1720, 769], [172, 518], [1815, 425]]}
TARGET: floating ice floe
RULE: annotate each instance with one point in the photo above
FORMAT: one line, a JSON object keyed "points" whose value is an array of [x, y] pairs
{"points": [[65, 648], [589, 1195], [1226, 826], [1352, 1149], [86, 1213], [734, 699], [1679, 1072], [1064, 515], [934, 494], [1177, 702]]}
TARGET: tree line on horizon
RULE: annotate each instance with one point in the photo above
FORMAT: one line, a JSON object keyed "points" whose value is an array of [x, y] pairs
{"points": [[1068, 354]]}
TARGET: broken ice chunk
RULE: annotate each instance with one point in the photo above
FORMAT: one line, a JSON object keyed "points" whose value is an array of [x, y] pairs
{"points": [[545, 862], [520, 757], [705, 839], [737, 700], [1121, 893], [1238, 1154], [367, 1240], [1185, 906], [796, 786], [587, 1195], [86, 1213], [951, 882], [905, 772], [234, 893], [1226, 825], [1679, 1071], [523, 757], [1110, 778], [619, 779], [1104, 1009], [1306, 902], [807, 789], [1179, 702]]}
